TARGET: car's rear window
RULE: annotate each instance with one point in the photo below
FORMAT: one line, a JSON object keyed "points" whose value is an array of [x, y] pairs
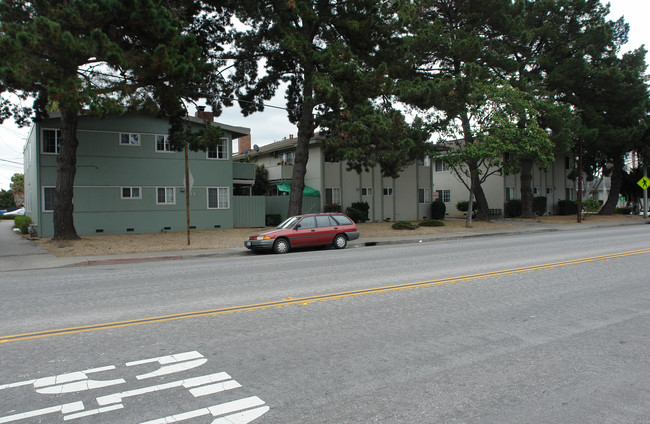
{"points": [[342, 219]]}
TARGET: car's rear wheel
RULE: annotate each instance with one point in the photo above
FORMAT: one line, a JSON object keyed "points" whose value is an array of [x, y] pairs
{"points": [[281, 246], [340, 241]]}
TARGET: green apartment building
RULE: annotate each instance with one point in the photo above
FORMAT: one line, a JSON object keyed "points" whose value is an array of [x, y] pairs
{"points": [[129, 181]]}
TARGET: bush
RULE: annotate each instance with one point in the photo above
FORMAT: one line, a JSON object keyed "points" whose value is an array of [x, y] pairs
{"points": [[403, 225], [513, 208], [438, 209], [358, 211], [539, 205], [567, 207], [623, 211], [591, 205], [22, 223], [463, 206], [273, 219], [432, 223], [332, 207]]}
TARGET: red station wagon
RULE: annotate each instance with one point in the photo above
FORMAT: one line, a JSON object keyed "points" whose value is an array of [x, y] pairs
{"points": [[321, 229]]}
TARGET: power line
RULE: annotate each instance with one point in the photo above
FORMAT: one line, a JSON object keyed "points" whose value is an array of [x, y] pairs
{"points": [[10, 161]]}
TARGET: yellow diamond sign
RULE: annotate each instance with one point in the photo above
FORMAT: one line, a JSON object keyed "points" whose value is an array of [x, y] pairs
{"points": [[644, 183]]}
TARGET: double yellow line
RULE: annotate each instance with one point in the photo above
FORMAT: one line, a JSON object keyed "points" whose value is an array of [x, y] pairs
{"points": [[319, 298]]}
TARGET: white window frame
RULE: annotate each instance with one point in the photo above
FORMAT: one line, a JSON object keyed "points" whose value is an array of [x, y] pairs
{"points": [[442, 165], [221, 201], [366, 191], [167, 148], [57, 143], [335, 195], [167, 190], [444, 195], [388, 191], [131, 196], [424, 195], [510, 193], [537, 191], [130, 138], [43, 203], [214, 153]]}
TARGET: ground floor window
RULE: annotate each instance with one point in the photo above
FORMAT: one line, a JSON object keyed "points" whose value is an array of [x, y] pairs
{"points": [[218, 197], [366, 191], [48, 199], [510, 193], [131, 193], [570, 194], [388, 191], [333, 196], [424, 195], [444, 195], [165, 196]]}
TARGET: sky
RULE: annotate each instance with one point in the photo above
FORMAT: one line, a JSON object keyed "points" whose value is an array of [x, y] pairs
{"points": [[273, 125]]}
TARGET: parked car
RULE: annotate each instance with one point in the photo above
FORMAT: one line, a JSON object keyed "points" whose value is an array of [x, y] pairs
{"points": [[309, 230]]}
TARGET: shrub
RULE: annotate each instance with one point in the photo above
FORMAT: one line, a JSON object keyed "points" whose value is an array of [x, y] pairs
{"points": [[567, 207], [539, 205], [273, 219], [403, 225], [623, 211], [432, 223], [513, 208], [438, 209], [22, 223], [358, 211], [463, 206], [332, 207], [591, 205]]}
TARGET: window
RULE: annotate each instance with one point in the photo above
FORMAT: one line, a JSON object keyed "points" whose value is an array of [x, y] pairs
{"points": [[424, 162], [220, 151], [287, 158], [324, 221], [366, 191], [307, 222], [567, 162], [570, 194], [129, 139], [165, 196], [424, 195], [441, 166], [510, 193], [388, 191], [218, 197], [48, 199], [162, 143], [537, 191], [333, 196], [549, 190], [51, 141], [131, 193], [444, 195]]}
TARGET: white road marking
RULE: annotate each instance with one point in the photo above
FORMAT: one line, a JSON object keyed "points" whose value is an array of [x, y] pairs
{"points": [[215, 388], [92, 412], [192, 382], [181, 362], [169, 359], [224, 408], [65, 408], [170, 369], [242, 417], [61, 379]]}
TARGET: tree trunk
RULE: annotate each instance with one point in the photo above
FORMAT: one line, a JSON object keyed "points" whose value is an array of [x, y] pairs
{"points": [[66, 169], [305, 133], [615, 188], [526, 180], [483, 212]]}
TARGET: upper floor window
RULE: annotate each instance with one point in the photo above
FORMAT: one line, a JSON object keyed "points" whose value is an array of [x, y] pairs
{"points": [[366, 191], [162, 143], [441, 165], [51, 141], [388, 191], [131, 193], [129, 139], [425, 162], [220, 151]]}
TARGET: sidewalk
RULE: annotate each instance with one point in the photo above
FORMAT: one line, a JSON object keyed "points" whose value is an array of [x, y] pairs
{"points": [[19, 254]]}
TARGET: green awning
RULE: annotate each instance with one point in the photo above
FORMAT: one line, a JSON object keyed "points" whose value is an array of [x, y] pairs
{"points": [[308, 191]]}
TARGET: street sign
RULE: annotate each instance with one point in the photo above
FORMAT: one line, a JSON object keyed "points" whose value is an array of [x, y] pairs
{"points": [[644, 183]]}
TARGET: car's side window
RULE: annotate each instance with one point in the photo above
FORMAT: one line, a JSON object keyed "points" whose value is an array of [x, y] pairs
{"points": [[324, 221], [307, 222], [342, 220]]}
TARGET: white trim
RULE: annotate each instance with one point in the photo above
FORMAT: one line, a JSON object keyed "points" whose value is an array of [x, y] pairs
{"points": [[57, 133], [219, 206], [225, 142], [129, 134], [165, 202], [166, 143], [131, 191], [43, 199]]}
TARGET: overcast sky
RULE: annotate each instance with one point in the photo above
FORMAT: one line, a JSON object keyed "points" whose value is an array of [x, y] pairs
{"points": [[272, 124]]}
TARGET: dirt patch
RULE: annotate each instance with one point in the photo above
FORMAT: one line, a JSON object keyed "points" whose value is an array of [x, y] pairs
{"points": [[99, 245]]}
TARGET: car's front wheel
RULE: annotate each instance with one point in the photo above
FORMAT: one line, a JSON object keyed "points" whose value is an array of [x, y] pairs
{"points": [[340, 241], [281, 246]]}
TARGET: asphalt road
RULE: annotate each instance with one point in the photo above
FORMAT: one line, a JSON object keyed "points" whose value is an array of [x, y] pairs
{"points": [[543, 328]]}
